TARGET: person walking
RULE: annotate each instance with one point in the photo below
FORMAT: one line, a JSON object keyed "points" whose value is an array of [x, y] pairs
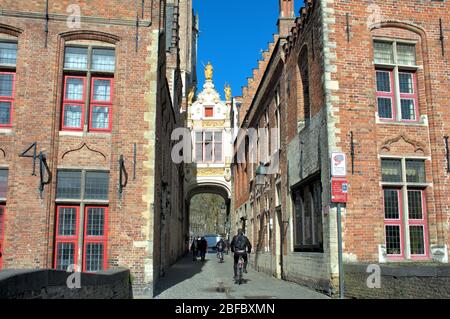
{"points": [[194, 248], [203, 247]]}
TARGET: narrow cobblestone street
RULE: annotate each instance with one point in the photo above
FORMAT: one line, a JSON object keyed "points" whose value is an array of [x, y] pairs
{"points": [[211, 280]]}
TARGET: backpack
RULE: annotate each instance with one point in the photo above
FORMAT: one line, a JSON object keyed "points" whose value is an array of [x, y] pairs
{"points": [[241, 243]]}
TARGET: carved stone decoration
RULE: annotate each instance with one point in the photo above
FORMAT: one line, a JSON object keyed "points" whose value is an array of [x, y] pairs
{"points": [[417, 146], [3, 152], [84, 145], [209, 124], [227, 174], [210, 172]]}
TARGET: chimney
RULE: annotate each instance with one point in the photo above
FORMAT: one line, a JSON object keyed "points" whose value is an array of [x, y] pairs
{"points": [[286, 17]]}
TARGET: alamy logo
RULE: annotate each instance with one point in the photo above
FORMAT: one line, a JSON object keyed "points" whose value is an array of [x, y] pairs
{"points": [[74, 19], [254, 146], [375, 18], [374, 279], [74, 280]]}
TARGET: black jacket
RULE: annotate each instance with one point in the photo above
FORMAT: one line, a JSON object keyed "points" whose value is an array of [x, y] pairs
{"points": [[248, 246]]}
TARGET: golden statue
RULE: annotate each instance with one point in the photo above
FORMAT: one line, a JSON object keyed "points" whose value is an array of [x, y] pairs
{"points": [[191, 95], [209, 71], [227, 92]]}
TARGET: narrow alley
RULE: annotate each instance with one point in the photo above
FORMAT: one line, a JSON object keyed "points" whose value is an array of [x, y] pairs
{"points": [[189, 279]]}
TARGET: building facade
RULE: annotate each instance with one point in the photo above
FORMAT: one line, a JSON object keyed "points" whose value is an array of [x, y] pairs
{"points": [[85, 139], [208, 168], [371, 81]]}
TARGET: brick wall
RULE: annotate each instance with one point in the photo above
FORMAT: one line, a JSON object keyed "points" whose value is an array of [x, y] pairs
{"points": [[404, 282], [52, 284], [138, 118]]}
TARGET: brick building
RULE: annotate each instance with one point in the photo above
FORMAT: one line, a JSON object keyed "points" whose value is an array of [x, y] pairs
{"points": [[369, 79], [90, 95]]}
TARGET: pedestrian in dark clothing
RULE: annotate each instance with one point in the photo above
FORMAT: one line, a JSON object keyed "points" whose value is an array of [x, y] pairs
{"points": [[194, 249], [203, 248], [199, 240]]}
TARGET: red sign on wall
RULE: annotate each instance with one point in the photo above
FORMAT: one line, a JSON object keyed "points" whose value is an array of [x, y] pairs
{"points": [[339, 190]]}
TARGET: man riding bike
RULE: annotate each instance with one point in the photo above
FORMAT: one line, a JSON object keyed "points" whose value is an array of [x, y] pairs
{"points": [[221, 245], [240, 246]]}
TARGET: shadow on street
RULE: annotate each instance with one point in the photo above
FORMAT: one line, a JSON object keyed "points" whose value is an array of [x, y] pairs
{"points": [[183, 270]]}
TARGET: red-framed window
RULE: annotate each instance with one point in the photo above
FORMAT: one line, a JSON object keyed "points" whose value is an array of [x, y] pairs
{"points": [[417, 224], [100, 118], [396, 81], [7, 92], [209, 111], [2, 233], [95, 238], [209, 147], [409, 105], [385, 95], [88, 88], [74, 103], [67, 236], [405, 213], [393, 222], [81, 232]]}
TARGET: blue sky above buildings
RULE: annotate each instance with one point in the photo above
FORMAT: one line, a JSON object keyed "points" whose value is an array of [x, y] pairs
{"points": [[232, 35]]}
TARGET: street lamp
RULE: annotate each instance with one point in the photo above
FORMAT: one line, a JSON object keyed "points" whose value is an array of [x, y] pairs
{"points": [[261, 172]]}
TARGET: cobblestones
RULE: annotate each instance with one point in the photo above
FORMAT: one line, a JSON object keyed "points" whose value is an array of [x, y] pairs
{"points": [[210, 280]]}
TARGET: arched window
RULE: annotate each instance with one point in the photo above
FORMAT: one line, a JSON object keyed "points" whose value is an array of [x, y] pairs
{"points": [[397, 56], [303, 94], [89, 68]]}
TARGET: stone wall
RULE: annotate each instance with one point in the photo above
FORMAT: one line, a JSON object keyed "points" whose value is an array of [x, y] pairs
{"points": [[52, 284], [399, 281]]}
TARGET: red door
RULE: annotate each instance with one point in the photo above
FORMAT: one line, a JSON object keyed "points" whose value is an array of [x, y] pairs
{"points": [[2, 219]]}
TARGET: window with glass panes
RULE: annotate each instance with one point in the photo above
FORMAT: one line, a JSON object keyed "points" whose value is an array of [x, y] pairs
{"points": [[278, 118], [88, 88], [2, 226], [396, 81], [8, 60], [3, 193], [208, 146], [308, 232], [81, 219], [405, 218]]}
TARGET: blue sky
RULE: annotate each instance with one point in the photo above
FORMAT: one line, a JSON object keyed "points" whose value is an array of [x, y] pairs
{"points": [[232, 35]]}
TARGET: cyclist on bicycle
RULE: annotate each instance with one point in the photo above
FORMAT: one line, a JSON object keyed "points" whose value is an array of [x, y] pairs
{"points": [[221, 245], [240, 246]]}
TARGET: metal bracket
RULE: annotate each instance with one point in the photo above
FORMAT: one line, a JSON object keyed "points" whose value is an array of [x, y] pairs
{"points": [[137, 32], [134, 160], [347, 17], [352, 152], [47, 18], [441, 37], [447, 150], [43, 168], [122, 175]]}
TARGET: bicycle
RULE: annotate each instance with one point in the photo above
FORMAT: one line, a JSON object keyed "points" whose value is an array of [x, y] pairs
{"points": [[240, 267], [220, 256]]}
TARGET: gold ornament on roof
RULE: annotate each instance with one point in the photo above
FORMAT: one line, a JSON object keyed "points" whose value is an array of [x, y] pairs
{"points": [[209, 70], [227, 92], [191, 95]]}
